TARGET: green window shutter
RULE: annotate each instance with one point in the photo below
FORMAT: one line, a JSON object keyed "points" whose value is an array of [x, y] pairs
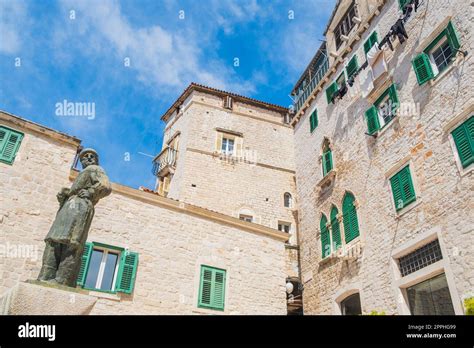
{"points": [[352, 67], [127, 272], [403, 3], [86, 256], [402, 188], [212, 288], [370, 42], [453, 37], [313, 120], [350, 220], [327, 162], [423, 70], [330, 91], [10, 141], [372, 118], [464, 140], [392, 91], [325, 238], [336, 231]]}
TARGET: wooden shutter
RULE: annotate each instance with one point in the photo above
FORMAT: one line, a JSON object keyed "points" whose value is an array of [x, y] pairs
{"points": [[327, 162], [127, 272], [453, 37], [352, 67], [402, 188], [9, 143], [212, 288], [423, 70], [86, 256], [313, 120], [336, 231], [397, 192], [463, 137], [350, 220], [403, 3], [370, 42], [330, 91], [325, 238], [219, 141], [238, 146], [372, 118], [392, 92]]}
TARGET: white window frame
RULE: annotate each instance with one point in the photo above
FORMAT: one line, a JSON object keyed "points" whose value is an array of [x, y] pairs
{"points": [[434, 66], [226, 139], [100, 274], [400, 284]]}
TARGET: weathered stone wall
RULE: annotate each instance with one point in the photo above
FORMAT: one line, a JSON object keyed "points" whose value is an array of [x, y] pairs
{"points": [[444, 195], [172, 245]]}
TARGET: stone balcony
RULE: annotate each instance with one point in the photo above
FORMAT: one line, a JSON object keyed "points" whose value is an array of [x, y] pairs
{"points": [[165, 162]]}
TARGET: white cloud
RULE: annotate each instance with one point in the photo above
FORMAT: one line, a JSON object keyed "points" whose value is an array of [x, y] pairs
{"points": [[12, 18], [162, 58]]}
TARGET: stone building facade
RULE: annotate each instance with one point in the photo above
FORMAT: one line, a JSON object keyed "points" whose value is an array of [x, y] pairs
{"points": [[172, 241], [233, 155], [384, 163]]}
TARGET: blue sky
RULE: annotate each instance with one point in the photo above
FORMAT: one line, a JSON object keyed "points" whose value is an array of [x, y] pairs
{"points": [[76, 50]]}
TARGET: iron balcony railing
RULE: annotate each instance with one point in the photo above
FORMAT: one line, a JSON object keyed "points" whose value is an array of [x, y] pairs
{"points": [[318, 76], [164, 161]]}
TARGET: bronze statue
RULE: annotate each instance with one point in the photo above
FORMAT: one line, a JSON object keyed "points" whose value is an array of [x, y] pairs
{"points": [[68, 234]]}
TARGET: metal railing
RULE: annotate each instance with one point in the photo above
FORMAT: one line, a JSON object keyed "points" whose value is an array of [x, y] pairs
{"points": [[318, 76], [166, 159]]}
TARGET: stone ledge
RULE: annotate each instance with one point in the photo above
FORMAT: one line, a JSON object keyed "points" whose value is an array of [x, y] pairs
{"points": [[40, 298]]}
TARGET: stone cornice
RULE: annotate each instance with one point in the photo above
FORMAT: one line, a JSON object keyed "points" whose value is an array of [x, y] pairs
{"points": [[34, 127], [190, 209]]}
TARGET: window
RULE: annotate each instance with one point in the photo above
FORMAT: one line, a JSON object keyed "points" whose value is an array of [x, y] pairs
{"points": [[107, 268], [313, 120], [287, 200], [371, 41], [284, 226], [227, 147], [10, 141], [463, 137], [229, 143], [352, 67], [402, 188], [335, 228], [247, 218], [326, 158], [212, 288], [349, 216], [431, 297], [330, 91], [325, 238], [383, 111], [164, 185], [437, 56], [420, 258], [345, 25], [351, 305]]}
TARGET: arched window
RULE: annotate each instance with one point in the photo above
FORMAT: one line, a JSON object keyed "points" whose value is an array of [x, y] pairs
{"points": [[325, 238], [326, 157], [287, 200], [336, 231], [351, 223], [351, 305]]}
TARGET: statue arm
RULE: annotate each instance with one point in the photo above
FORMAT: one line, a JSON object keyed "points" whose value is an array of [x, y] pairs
{"points": [[101, 187]]}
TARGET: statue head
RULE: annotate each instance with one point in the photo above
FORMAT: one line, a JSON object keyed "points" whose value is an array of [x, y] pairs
{"points": [[88, 157]]}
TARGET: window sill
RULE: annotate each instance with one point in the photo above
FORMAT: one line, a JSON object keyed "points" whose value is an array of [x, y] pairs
{"points": [[408, 208], [387, 126], [443, 74], [104, 294], [327, 179], [343, 252], [209, 311], [465, 171]]}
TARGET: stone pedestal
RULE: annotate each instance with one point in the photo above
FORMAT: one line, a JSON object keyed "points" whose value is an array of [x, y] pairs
{"points": [[39, 298]]}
